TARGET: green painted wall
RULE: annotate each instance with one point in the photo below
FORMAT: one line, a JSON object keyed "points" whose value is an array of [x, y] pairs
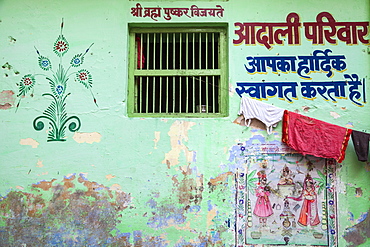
{"points": [[123, 181]]}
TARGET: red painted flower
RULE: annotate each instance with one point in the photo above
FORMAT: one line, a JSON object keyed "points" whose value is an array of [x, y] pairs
{"points": [[27, 81], [84, 77], [61, 46]]}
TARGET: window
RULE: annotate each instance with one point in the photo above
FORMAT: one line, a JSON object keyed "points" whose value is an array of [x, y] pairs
{"points": [[177, 71]]}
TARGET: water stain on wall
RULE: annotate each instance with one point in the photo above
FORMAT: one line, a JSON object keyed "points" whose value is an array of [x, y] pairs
{"points": [[57, 214], [190, 188]]}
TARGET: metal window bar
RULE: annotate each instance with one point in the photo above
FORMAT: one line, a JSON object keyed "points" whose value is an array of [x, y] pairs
{"points": [[182, 92]]}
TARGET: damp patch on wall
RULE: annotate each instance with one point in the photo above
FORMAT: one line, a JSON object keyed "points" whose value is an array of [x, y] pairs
{"points": [[69, 212]]}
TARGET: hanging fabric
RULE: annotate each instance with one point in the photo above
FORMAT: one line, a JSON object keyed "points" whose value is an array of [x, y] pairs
{"points": [[312, 136], [268, 114], [361, 143]]}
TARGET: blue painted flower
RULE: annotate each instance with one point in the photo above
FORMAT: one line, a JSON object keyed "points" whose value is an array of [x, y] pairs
{"points": [[241, 201], [59, 89], [331, 202], [242, 148], [77, 60], [240, 231], [242, 174], [332, 231], [44, 63]]}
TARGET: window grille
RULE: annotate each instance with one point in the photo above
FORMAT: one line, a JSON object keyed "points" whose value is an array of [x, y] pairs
{"points": [[177, 72]]}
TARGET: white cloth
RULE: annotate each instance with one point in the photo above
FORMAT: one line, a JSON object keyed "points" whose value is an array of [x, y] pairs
{"points": [[268, 114]]}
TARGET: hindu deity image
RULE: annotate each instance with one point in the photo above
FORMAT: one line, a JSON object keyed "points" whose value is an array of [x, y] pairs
{"points": [[309, 212], [263, 207], [286, 177], [286, 186]]}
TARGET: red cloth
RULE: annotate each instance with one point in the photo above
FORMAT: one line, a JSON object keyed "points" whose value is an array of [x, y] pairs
{"points": [[311, 136]]}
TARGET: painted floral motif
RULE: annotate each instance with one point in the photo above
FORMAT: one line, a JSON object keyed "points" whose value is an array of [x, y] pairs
{"points": [[61, 46], [77, 60], [44, 63], [26, 84], [84, 77], [59, 89], [56, 114]]}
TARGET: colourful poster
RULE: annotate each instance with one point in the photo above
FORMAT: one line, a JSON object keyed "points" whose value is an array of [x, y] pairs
{"points": [[285, 198]]}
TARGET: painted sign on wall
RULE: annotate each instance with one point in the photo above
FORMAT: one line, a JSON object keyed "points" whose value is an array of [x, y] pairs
{"points": [[326, 30], [169, 13]]}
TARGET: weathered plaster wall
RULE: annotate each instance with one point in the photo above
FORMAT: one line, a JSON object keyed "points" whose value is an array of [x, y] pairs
{"points": [[123, 181]]}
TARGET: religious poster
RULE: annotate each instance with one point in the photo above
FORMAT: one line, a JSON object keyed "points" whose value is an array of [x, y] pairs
{"points": [[285, 198]]}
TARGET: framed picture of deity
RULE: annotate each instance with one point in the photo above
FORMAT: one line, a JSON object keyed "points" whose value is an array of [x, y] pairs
{"points": [[285, 198]]}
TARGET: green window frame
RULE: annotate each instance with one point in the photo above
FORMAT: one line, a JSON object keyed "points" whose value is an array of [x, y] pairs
{"points": [[178, 71]]}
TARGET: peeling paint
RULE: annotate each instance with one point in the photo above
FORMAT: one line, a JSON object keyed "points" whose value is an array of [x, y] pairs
{"points": [[39, 163], [359, 233], [109, 177], [45, 185], [165, 215], [115, 187], [190, 188], [29, 141], [56, 214], [210, 216], [213, 182], [334, 114], [231, 90], [6, 99], [43, 174], [220, 178], [87, 137], [178, 134], [358, 192], [157, 137], [305, 108], [349, 125]]}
